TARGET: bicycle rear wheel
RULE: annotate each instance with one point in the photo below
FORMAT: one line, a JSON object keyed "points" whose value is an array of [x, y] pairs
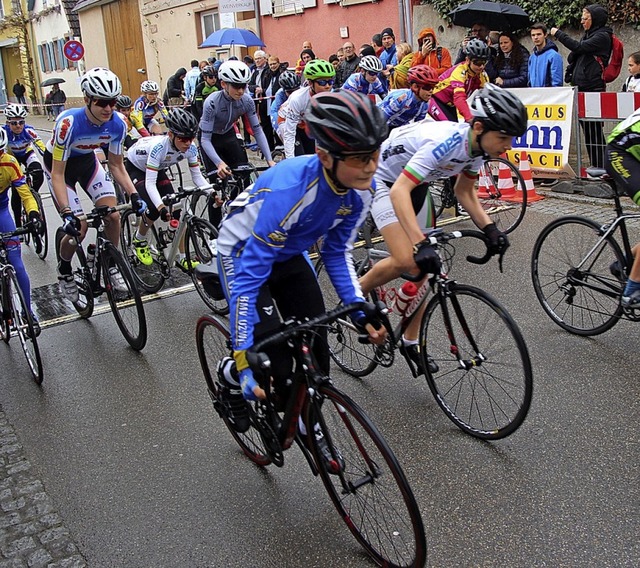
{"points": [[126, 304], [570, 269], [442, 195], [43, 233], [505, 209], [214, 342], [84, 305], [484, 383], [370, 491]]}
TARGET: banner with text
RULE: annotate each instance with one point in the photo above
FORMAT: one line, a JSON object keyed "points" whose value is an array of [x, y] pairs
{"points": [[226, 6]]}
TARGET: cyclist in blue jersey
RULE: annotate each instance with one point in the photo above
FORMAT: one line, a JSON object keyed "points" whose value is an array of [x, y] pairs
{"points": [[70, 158], [147, 106], [367, 79], [405, 105], [262, 242], [289, 82]]}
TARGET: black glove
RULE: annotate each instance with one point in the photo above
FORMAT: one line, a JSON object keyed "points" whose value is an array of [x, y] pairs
{"points": [[71, 224], [427, 258], [138, 204], [36, 221], [498, 241], [164, 214]]}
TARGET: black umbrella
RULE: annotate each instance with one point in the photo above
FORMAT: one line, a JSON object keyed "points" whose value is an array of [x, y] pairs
{"points": [[495, 15], [52, 81]]}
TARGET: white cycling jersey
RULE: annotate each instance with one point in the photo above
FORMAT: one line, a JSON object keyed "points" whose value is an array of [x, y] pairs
{"points": [[293, 114]]}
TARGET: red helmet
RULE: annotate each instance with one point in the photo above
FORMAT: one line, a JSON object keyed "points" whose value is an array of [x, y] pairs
{"points": [[423, 76]]}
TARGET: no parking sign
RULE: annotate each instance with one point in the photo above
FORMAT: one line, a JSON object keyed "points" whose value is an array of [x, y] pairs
{"points": [[73, 50]]}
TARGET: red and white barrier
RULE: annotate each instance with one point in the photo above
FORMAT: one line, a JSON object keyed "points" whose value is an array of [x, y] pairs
{"points": [[612, 106]]}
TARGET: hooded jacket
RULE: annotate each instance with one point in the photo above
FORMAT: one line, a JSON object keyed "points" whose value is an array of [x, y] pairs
{"points": [[439, 58], [584, 70], [175, 85], [546, 66]]}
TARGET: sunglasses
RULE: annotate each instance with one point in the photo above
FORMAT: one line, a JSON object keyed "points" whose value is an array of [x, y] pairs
{"points": [[357, 160], [479, 62], [104, 103], [238, 86], [325, 82], [372, 73], [184, 139], [16, 122]]}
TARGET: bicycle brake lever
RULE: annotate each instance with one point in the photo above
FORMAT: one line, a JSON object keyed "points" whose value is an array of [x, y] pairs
{"points": [[500, 257]]}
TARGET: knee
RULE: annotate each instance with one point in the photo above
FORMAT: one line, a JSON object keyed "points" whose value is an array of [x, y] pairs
{"points": [[113, 219]]}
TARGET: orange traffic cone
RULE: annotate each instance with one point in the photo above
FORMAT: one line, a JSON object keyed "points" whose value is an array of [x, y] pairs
{"points": [[527, 176], [505, 183], [485, 184]]}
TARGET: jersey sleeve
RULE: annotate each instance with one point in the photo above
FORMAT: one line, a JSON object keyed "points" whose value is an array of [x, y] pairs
{"points": [[153, 166], [61, 138], [19, 184], [116, 145], [194, 167]]}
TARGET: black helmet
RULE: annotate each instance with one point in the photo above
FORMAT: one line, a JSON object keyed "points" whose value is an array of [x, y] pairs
{"points": [[123, 101], [209, 71], [345, 121], [289, 80], [182, 123], [499, 109], [477, 49]]}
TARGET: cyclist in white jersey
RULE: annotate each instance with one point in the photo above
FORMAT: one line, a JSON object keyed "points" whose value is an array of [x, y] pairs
{"points": [[419, 153]]}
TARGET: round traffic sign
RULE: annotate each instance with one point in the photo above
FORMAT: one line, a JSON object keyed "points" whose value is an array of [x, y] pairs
{"points": [[73, 50]]}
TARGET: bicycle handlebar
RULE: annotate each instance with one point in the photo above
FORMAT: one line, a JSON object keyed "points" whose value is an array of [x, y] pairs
{"points": [[28, 228], [173, 198], [102, 211]]}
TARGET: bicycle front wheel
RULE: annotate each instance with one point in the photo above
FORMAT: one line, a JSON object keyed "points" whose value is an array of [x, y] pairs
{"points": [[572, 276], [369, 488], [214, 342], [42, 248], [484, 382], [505, 200], [124, 297]]}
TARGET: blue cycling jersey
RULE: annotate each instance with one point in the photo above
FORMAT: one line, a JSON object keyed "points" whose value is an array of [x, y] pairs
{"points": [[359, 84], [22, 144], [402, 106], [285, 212]]}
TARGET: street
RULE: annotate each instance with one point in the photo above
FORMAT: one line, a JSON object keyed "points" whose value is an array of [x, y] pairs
{"points": [[143, 472]]}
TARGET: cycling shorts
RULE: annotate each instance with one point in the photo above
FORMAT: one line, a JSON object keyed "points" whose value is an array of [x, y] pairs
{"points": [[384, 214], [625, 170]]}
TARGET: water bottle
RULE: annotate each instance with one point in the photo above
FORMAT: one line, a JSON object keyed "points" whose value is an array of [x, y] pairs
{"points": [[404, 296], [91, 256], [171, 229]]}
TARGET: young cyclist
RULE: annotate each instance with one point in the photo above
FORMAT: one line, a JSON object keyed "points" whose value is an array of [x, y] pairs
{"points": [[70, 158], [147, 106], [221, 148], [623, 164], [458, 83], [422, 152], [262, 241], [367, 79], [203, 89], [22, 138], [147, 162], [404, 105], [289, 82], [135, 128], [11, 176]]}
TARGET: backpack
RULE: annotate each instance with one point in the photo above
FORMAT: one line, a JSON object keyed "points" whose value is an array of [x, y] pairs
{"points": [[611, 71]]}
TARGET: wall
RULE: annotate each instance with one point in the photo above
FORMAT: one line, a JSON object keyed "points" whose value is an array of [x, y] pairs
{"points": [[93, 38]]}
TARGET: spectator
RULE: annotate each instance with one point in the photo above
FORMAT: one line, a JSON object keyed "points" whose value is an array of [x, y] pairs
{"points": [[191, 79], [398, 77], [431, 53], [632, 84], [376, 43], [307, 45], [493, 41], [250, 62], [47, 105], [334, 60], [585, 70], [275, 71], [512, 62], [175, 88], [300, 64], [366, 49], [306, 55], [478, 31], [348, 67], [203, 64], [258, 85], [19, 90], [58, 98], [340, 54], [388, 56], [545, 64]]}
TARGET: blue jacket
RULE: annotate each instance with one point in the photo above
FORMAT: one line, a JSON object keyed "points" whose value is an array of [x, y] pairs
{"points": [[511, 75], [546, 66]]}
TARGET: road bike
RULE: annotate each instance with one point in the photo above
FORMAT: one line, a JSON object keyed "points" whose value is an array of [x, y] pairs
{"points": [[91, 275], [484, 378], [579, 270], [506, 211], [39, 236], [366, 483], [15, 318]]}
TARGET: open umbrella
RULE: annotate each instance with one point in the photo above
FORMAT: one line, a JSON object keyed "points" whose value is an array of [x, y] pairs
{"points": [[52, 81], [495, 15], [234, 37]]}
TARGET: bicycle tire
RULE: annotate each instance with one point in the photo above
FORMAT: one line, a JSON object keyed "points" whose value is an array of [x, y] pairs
{"points": [[148, 278], [583, 301], [442, 196], [43, 235], [505, 211], [5, 332], [213, 342], [371, 492], [23, 325], [85, 304], [487, 393], [127, 307], [199, 239]]}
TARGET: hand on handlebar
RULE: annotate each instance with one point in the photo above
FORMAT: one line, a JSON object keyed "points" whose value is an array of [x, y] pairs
{"points": [[138, 204], [371, 324], [426, 258], [498, 241], [36, 221], [251, 390], [165, 215], [71, 224], [223, 170]]}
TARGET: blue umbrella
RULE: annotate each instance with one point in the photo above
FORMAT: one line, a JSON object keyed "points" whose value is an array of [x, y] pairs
{"points": [[234, 37]]}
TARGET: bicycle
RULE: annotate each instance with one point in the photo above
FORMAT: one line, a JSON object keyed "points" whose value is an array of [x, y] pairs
{"points": [[15, 318], [507, 212], [367, 486], [484, 381], [199, 237], [41, 236], [579, 270], [92, 277]]}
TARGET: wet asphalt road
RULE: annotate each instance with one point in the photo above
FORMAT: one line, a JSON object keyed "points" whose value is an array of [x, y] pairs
{"points": [[144, 473]]}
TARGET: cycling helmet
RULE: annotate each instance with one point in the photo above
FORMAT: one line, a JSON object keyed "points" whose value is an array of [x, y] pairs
{"points": [[4, 140], [182, 123], [289, 81], [345, 121], [371, 63], [477, 49], [15, 111], [319, 69], [208, 71], [123, 101], [234, 72], [100, 83], [149, 87], [499, 110], [423, 76]]}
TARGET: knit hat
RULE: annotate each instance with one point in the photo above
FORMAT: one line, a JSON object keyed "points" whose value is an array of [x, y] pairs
{"points": [[389, 32]]}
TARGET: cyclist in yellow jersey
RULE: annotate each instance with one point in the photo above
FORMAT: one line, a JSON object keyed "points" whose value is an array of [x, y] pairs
{"points": [[147, 106]]}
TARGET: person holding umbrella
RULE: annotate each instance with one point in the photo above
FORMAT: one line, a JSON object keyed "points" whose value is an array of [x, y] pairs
{"points": [[57, 99]]}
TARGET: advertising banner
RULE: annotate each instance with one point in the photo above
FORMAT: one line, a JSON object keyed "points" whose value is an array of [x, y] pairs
{"points": [[227, 6]]}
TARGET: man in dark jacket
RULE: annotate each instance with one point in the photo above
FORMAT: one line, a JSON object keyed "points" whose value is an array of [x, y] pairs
{"points": [[347, 66], [589, 55], [545, 63], [258, 86], [175, 88]]}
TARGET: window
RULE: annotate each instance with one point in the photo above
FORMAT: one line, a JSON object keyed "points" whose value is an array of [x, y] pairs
{"points": [[210, 22]]}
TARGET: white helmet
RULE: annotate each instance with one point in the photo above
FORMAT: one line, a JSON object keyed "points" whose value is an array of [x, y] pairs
{"points": [[4, 140], [371, 63], [100, 83], [15, 111], [234, 72], [149, 87]]}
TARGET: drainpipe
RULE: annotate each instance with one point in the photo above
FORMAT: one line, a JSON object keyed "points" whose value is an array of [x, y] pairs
{"points": [[256, 9], [403, 29]]}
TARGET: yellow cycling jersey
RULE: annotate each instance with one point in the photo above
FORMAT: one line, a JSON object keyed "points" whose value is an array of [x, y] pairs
{"points": [[11, 176]]}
